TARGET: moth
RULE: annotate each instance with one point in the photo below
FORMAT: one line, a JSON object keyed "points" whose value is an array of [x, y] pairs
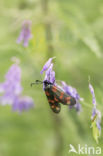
{"points": [[55, 96]]}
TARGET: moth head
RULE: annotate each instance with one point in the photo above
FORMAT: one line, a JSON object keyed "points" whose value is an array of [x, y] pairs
{"points": [[45, 82]]}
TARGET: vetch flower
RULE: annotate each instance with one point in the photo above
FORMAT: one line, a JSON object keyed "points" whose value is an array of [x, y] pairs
{"points": [[93, 94], [49, 73], [52, 77], [73, 92], [22, 103], [25, 34], [47, 64], [12, 85], [11, 89], [96, 116]]}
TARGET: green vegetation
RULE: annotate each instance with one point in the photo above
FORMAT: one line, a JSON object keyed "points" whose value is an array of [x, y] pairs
{"points": [[72, 31]]}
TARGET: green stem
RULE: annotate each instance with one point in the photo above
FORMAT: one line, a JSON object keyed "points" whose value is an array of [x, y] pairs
{"points": [[57, 122], [86, 105], [48, 29]]}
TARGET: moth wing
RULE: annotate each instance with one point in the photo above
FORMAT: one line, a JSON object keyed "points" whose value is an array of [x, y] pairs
{"points": [[61, 97], [54, 105]]}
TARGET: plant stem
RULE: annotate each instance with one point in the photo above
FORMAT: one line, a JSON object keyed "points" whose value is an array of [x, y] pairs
{"points": [[48, 28], [57, 122]]}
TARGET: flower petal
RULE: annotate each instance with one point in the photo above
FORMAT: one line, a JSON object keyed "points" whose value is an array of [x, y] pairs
{"points": [[93, 94], [22, 103], [47, 64]]}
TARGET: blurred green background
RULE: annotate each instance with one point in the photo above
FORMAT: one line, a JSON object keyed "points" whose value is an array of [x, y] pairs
{"points": [[71, 30]]}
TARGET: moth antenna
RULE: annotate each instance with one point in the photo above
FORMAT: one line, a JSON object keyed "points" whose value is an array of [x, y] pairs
{"points": [[36, 82]]}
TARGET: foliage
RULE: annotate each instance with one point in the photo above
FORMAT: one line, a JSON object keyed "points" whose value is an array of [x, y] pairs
{"points": [[76, 41]]}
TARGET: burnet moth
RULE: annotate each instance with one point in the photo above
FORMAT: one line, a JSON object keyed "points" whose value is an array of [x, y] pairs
{"points": [[55, 96]]}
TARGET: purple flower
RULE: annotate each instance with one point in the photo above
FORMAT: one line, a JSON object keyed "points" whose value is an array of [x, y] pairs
{"points": [[11, 89], [72, 92], [93, 94], [47, 64], [96, 114], [22, 103], [49, 73], [12, 85], [25, 34]]}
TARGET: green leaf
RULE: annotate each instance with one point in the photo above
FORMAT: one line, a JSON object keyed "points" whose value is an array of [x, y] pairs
{"points": [[95, 131]]}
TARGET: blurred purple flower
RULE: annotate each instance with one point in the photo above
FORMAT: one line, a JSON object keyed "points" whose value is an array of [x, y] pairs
{"points": [[25, 34], [12, 85], [11, 89], [96, 114], [72, 92], [93, 94], [22, 103]]}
